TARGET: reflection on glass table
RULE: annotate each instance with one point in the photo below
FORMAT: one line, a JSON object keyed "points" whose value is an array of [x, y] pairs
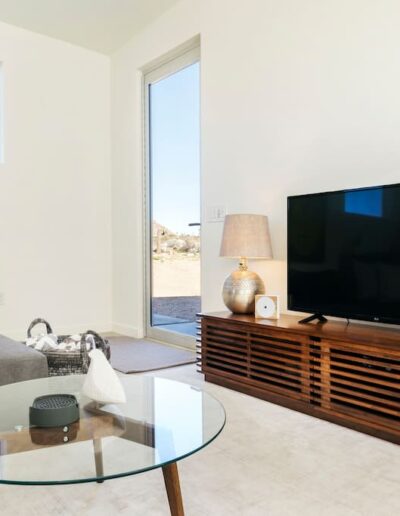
{"points": [[162, 422]]}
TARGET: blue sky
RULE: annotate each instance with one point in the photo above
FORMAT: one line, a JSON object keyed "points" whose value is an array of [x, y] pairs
{"points": [[175, 149]]}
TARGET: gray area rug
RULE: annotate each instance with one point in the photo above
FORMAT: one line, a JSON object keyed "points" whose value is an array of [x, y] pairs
{"points": [[130, 355]]}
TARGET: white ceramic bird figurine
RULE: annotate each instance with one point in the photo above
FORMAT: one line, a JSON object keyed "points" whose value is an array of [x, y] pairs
{"points": [[102, 383]]}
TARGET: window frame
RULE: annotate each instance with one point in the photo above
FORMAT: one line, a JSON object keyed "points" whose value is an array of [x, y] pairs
{"points": [[170, 65]]}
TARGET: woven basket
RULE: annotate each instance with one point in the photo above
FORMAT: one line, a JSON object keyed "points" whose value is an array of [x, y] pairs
{"points": [[63, 363]]}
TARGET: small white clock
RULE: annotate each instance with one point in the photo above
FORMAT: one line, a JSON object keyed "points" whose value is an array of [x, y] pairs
{"points": [[266, 307]]}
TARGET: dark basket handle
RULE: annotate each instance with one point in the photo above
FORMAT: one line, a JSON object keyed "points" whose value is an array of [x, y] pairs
{"points": [[39, 321], [99, 343]]}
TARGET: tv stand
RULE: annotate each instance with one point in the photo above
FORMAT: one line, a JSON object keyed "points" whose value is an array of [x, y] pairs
{"points": [[316, 317], [346, 374]]}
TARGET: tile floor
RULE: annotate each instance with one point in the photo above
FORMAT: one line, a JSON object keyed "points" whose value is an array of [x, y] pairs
{"points": [[268, 461]]}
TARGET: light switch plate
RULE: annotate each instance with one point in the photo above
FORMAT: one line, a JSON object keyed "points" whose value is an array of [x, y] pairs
{"points": [[216, 213]]}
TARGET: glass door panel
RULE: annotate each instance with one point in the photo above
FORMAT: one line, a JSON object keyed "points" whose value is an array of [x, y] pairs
{"points": [[174, 169]]}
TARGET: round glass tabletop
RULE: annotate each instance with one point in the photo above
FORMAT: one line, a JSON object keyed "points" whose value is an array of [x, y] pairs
{"points": [[162, 422]]}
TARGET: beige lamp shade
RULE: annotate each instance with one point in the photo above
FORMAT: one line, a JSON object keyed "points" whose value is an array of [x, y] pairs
{"points": [[247, 236]]}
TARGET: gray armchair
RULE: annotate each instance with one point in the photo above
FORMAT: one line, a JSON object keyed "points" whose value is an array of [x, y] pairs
{"points": [[19, 363]]}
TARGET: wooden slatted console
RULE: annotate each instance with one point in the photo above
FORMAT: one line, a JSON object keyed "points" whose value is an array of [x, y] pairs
{"points": [[347, 374]]}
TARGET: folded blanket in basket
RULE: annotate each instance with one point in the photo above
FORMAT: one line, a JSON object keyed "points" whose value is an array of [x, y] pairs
{"points": [[49, 342]]}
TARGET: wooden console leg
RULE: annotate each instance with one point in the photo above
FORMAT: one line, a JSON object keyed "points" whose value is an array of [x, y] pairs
{"points": [[171, 479]]}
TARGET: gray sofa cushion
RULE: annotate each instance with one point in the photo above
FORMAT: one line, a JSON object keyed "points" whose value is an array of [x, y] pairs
{"points": [[19, 363]]}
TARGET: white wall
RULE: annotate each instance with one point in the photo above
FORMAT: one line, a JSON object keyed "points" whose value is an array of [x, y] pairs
{"points": [[55, 210], [296, 97]]}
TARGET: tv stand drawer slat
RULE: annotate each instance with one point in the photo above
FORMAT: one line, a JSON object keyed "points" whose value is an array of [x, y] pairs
{"points": [[319, 369]]}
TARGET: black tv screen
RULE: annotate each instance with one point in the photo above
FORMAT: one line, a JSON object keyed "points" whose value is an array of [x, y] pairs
{"points": [[344, 253]]}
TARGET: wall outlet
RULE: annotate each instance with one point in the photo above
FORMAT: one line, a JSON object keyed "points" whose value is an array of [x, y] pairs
{"points": [[216, 213]]}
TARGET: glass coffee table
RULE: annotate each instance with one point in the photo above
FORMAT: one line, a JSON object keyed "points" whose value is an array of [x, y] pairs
{"points": [[162, 422]]}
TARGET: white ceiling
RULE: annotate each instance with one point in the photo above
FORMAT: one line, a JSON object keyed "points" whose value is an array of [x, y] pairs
{"points": [[102, 25]]}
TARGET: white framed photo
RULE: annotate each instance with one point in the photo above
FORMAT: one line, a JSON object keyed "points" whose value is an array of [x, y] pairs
{"points": [[267, 306]]}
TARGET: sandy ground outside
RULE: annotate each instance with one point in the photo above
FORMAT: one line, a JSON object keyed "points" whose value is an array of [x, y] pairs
{"points": [[176, 276]]}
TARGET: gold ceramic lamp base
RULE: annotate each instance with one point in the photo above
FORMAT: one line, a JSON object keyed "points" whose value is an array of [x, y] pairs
{"points": [[240, 289]]}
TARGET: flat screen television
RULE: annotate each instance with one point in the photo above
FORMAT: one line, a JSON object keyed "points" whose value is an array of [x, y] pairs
{"points": [[344, 253]]}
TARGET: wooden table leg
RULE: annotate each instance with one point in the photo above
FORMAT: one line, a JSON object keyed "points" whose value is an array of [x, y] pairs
{"points": [[98, 459], [171, 479]]}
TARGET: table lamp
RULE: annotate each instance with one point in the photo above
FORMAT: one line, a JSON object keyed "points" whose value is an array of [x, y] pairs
{"points": [[244, 236]]}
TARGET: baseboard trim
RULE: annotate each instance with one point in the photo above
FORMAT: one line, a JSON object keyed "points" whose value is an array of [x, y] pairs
{"points": [[20, 335], [122, 329], [126, 329]]}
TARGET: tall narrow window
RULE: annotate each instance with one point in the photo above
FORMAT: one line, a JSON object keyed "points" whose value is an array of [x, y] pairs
{"points": [[173, 103]]}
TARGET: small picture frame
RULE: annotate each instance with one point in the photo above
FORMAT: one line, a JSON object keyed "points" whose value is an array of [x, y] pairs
{"points": [[266, 307]]}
